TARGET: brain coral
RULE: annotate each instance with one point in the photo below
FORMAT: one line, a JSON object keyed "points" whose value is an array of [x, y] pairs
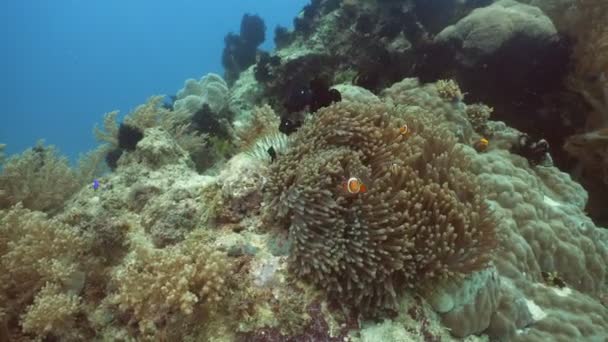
{"points": [[422, 218]]}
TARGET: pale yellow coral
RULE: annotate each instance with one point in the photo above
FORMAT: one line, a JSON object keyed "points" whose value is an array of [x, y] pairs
{"points": [[39, 178], [478, 114], [52, 313], [35, 249], [449, 90], [154, 284]]}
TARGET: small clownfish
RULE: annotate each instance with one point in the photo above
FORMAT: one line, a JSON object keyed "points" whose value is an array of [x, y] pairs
{"points": [[481, 145], [405, 131], [354, 185]]}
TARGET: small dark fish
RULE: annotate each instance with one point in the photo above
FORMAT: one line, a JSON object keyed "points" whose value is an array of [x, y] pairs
{"points": [[272, 153], [95, 184], [551, 278]]}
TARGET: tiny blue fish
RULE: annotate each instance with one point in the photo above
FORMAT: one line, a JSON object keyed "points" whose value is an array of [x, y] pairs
{"points": [[95, 184]]}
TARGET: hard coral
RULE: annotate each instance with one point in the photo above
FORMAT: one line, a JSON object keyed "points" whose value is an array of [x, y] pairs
{"points": [[449, 90], [478, 114], [543, 229], [421, 219]]}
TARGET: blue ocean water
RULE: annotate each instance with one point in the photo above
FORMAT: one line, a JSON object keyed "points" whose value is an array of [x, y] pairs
{"points": [[67, 62]]}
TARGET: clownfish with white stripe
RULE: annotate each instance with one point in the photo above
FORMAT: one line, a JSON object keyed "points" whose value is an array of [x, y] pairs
{"points": [[354, 185]]}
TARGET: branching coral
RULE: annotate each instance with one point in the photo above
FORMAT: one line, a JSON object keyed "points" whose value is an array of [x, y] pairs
{"points": [[422, 218], [155, 284], [35, 249], [39, 178], [478, 115], [53, 312], [449, 90], [37, 252]]}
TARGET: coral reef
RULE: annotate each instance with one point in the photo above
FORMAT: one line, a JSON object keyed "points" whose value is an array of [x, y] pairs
{"points": [[403, 212]]}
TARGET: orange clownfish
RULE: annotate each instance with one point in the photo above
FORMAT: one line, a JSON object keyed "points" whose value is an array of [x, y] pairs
{"points": [[405, 131], [354, 185], [481, 145]]}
